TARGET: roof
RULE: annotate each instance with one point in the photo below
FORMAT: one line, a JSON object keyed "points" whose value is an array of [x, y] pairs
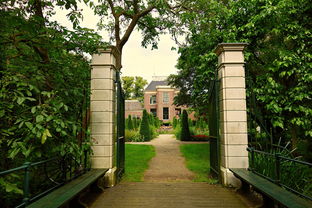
{"points": [[133, 105], [153, 84]]}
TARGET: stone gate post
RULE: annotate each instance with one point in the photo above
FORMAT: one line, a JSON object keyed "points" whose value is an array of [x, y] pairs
{"points": [[103, 111], [233, 115]]}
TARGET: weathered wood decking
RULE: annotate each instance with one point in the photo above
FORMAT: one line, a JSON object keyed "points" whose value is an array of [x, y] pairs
{"points": [[180, 195]]}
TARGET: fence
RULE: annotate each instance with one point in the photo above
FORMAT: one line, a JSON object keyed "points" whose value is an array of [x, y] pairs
{"points": [[120, 128], [40, 178], [293, 174]]}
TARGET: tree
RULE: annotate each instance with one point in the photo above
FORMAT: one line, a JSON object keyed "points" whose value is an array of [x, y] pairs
{"points": [[151, 17], [134, 87], [145, 131], [127, 85], [44, 84], [278, 58], [185, 131], [138, 91]]}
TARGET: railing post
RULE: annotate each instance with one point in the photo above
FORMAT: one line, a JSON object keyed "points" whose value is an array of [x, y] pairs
{"points": [[26, 183], [277, 168], [252, 152]]}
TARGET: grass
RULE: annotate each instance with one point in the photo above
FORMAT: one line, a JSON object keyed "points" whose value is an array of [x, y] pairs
{"points": [[137, 158], [197, 161]]}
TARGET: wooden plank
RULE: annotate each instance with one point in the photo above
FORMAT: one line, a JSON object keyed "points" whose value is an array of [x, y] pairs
{"points": [[271, 190], [67, 192]]}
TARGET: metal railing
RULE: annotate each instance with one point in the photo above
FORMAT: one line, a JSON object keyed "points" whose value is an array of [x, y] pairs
{"points": [[292, 174], [55, 172]]}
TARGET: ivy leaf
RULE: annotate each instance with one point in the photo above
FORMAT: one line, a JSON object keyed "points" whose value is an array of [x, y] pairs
{"points": [[29, 125], [20, 100], [45, 135], [10, 187], [33, 109], [39, 118]]}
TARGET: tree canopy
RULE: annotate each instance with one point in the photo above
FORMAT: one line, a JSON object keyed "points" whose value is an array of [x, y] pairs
{"points": [[278, 58], [134, 87]]}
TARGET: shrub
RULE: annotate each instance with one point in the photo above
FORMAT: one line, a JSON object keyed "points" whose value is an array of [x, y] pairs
{"points": [[154, 132], [132, 136], [174, 122], [129, 123], [177, 131], [145, 130], [185, 131]]}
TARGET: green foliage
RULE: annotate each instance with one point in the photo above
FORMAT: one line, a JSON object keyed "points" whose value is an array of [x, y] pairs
{"points": [[137, 160], [185, 131], [133, 136], [292, 174], [174, 122], [134, 87], [278, 58], [177, 131], [196, 156], [129, 123], [44, 83], [145, 130]]}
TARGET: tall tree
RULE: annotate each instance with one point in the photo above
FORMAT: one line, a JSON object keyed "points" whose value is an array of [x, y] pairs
{"points": [[278, 58], [127, 85], [134, 87], [151, 17]]}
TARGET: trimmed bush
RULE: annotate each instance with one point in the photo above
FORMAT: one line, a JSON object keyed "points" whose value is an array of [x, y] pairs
{"points": [[129, 123], [185, 132], [174, 122], [145, 130]]}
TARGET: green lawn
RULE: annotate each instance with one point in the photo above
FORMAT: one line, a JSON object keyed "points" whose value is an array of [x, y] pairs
{"points": [[197, 160], [137, 158]]}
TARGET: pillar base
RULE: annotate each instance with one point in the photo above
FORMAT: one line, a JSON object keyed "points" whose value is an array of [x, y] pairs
{"points": [[110, 178], [228, 179]]}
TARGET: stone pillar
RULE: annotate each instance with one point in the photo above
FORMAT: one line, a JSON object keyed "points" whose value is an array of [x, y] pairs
{"points": [[103, 111], [233, 115]]}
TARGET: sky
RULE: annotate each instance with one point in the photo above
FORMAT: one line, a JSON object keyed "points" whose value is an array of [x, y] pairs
{"points": [[136, 60]]}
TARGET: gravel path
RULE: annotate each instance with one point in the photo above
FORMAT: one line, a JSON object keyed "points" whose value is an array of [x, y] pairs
{"points": [[168, 164]]}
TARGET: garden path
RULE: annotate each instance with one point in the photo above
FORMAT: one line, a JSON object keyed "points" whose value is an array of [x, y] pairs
{"points": [[168, 164], [168, 184]]}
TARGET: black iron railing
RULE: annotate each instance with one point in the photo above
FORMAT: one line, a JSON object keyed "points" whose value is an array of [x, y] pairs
{"points": [[292, 174], [120, 128], [40, 178]]}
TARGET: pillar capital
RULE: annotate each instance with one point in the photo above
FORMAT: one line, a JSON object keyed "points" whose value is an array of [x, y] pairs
{"points": [[106, 57], [230, 53]]}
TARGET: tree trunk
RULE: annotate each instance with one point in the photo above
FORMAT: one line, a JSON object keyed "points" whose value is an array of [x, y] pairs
{"points": [[294, 137]]}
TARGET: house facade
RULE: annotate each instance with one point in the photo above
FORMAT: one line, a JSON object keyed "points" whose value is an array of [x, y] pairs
{"points": [[134, 108], [158, 99]]}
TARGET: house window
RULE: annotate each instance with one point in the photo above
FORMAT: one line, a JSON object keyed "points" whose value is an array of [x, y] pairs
{"points": [[165, 113], [153, 99], [178, 111], [165, 97], [153, 111]]}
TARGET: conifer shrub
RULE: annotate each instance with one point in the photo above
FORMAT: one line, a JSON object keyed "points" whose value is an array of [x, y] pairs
{"points": [[174, 122], [129, 123], [185, 131], [145, 130]]}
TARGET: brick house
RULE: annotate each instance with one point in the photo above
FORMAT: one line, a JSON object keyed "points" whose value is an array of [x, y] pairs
{"points": [[133, 108], [158, 99]]}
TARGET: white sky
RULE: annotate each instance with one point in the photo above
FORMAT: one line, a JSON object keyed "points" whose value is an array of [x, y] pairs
{"points": [[136, 60]]}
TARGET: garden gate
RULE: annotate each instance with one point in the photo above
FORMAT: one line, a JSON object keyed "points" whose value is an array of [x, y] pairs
{"points": [[120, 127], [213, 120]]}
